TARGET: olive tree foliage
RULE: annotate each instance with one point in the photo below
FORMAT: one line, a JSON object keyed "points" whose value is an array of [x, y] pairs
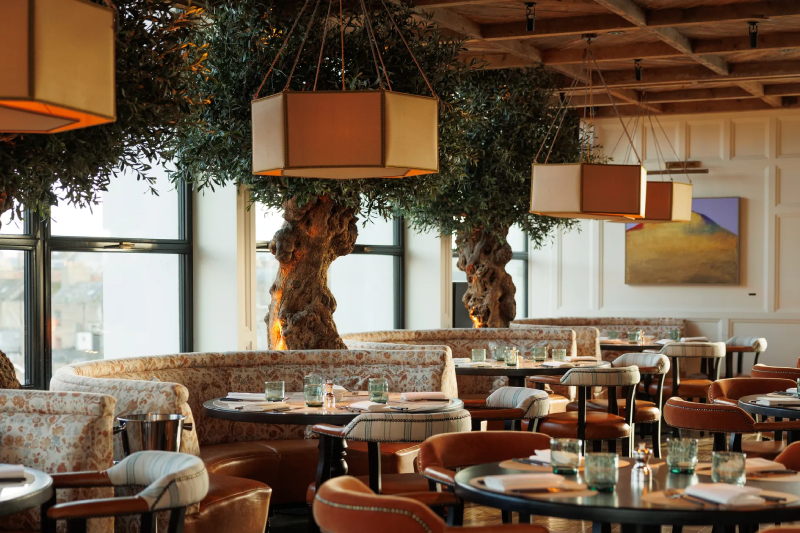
{"points": [[244, 39], [156, 62]]}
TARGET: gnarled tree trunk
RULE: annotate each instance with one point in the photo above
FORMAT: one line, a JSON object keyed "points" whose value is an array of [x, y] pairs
{"points": [[301, 312], [490, 292]]}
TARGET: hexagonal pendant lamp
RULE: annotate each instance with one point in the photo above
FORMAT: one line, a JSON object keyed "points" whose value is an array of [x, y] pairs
{"points": [[57, 65], [345, 134]]}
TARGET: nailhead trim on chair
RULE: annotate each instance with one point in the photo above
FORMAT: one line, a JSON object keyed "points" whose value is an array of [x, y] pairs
{"points": [[378, 510], [742, 414]]}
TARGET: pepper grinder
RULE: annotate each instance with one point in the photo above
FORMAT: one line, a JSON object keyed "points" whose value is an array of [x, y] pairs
{"points": [[329, 402], [642, 456]]}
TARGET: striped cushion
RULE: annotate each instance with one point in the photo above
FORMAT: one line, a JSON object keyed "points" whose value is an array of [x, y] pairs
{"points": [[397, 427], [601, 377], [535, 403], [694, 349], [757, 344], [172, 479], [650, 360]]}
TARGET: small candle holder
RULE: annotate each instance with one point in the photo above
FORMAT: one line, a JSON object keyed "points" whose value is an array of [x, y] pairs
{"points": [[642, 456]]}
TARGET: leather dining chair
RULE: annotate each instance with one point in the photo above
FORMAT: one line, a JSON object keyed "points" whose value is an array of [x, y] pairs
{"points": [[172, 481], [653, 367], [785, 372], [440, 456], [728, 392], [790, 457], [597, 426], [720, 420], [345, 505]]}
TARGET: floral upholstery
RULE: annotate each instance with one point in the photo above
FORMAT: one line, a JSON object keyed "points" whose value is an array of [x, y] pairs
{"points": [[601, 377], [587, 338], [756, 344], [171, 480], [657, 361], [694, 349], [461, 342], [396, 427], [57, 432], [535, 403], [183, 382]]}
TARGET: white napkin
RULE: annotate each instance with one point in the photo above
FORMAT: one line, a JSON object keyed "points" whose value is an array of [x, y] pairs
{"points": [[264, 407], [558, 364], [792, 391], [777, 400], [461, 360], [576, 358], [372, 407], [694, 339], [760, 464], [523, 481], [418, 396], [665, 341], [246, 395], [543, 456], [12, 472], [476, 365], [606, 340], [726, 494]]}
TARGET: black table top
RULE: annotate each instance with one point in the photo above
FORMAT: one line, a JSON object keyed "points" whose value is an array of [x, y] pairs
{"points": [[629, 347], [525, 368], [18, 497], [625, 505], [302, 415], [746, 403]]}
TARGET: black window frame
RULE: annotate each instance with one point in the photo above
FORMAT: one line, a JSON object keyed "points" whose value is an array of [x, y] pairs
{"points": [[39, 244]]}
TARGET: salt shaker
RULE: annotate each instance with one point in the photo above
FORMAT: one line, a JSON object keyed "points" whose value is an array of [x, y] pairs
{"points": [[329, 402], [642, 456]]}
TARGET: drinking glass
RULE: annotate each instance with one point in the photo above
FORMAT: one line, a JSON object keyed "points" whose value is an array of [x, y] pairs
{"points": [[479, 355], [565, 456], [313, 394], [613, 334], [274, 391], [633, 336], [511, 356], [559, 354], [681, 455], [378, 390], [539, 354], [728, 467], [601, 471], [495, 351], [312, 380], [674, 335]]}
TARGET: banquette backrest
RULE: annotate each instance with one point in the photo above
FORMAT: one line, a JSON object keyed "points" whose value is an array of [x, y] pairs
{"points": [[658, 327]]}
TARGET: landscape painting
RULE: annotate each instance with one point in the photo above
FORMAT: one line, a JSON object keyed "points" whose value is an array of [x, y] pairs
{"points": [[703, 251]]}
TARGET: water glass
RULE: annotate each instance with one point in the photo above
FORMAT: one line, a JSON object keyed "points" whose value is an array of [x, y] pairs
{"points": [[312, 380], [378, 390], [479, 355], [633, 336], [682, 455], [274, 391], [613, 334], [511, 356], [559, 354], [313, 393], [539, 354], [565, 456], [601, 471], [674, 335], [496, 351], [728, 467]]}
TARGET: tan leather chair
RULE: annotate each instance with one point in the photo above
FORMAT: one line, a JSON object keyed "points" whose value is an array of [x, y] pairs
{"points": [[720, 420], [790, 457], [345, 505], [783, 372]]}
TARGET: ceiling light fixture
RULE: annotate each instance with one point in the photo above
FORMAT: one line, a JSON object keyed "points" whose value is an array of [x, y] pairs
{"points": [[637, 69], [753, 30], [530, 16]]}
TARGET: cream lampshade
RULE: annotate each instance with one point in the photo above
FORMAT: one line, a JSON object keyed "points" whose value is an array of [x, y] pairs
{"points": [[589, 191], [345, 134], [57, 65]]}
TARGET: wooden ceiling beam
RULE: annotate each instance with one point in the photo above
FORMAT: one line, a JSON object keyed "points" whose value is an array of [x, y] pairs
{"points": [[783, 89], [757, 71], [555, 27], [764, 9], [756, 88], [708, 106], [688, 95]]}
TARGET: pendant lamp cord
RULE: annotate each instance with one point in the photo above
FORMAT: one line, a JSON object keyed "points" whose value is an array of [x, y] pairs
{"points": [[659, 153], [677, 158], [411, 53], [376, 51], [563, 108], [302, 45], [322, 48], [283, 46], [341, 35]]}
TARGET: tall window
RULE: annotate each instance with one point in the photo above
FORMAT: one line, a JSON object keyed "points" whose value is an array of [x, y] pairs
{"points": [[107, 282], [367, 283], [517, 267]]}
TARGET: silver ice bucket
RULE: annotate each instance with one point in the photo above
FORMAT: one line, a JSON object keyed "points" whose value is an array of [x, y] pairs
{"points": [[150, 431]]}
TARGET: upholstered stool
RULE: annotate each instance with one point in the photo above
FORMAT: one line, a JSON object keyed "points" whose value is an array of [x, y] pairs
{"points": [[740, 345]]}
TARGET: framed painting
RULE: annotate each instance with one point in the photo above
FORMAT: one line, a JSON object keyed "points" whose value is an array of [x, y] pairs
{"points": [[704, 251]]}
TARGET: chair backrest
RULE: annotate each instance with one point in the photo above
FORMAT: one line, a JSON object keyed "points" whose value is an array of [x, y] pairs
{"points": [[790, 457], [401, 427], [658, 327], [716, 418], [478, 447], [714, 350], [532, 402], [647, 363], [728, 391], [57, 432], [587, 338], [601, 377], [785, 372], [346, 505], [756, 344]]}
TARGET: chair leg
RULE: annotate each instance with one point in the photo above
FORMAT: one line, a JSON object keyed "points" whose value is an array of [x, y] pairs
{"points": [[597, 446], [524, 518], [612, 446], [735, 442], [149, 523], [719, 442], [374, 459], [676, 432], [176, 520], [655, 430], [505, 516], [76, 525], [627, 444], [455, 515]]}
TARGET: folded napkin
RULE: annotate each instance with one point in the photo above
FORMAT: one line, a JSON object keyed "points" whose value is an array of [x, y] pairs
{"points": [[476, 365], [777, 400], [665, 341], [694, 339], [760, 464], [461, 360], [418, 396], [372, 407], [574, 359], [543, 456], [792, 391], [523, 481], [246, 395], [726, 494], [263, 407], [558, 364], [12, 472], [606, 340]]}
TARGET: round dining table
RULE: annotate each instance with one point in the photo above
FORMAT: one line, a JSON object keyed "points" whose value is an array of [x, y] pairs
{"points": [[628, 347], [518, 373], [636, 502], [779, 411], [18, 496]]}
